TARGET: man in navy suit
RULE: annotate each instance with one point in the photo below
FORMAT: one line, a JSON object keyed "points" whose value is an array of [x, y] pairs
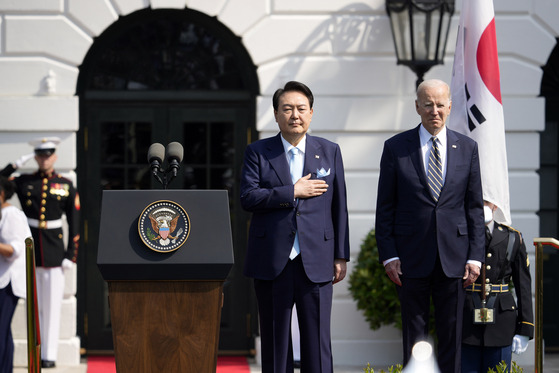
{"points": [[298, 242], [431, 237]]}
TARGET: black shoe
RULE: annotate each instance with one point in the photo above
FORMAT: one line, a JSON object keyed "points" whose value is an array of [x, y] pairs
{"points": [[47, 364]]}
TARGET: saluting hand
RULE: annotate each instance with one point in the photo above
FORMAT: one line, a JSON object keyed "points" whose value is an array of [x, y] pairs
{"points": [[306, 188]]}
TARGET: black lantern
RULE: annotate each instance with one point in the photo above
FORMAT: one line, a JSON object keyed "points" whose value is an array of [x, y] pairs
{"points": [[420, 30]]}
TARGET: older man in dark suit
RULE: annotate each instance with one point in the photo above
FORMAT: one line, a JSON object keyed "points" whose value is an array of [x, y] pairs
{"points": [[298, 246], [429, 223]]}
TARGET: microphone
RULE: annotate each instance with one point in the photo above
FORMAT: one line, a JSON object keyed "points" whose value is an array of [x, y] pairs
{"points": [[175, 153], [156, 154]]}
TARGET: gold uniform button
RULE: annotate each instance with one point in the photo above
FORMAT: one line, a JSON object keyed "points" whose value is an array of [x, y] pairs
{"points": [[42, 217], [45, 180], [60, 236], [488, 268], [44, 195], [487, 281], [43, 209], [489, 255]]}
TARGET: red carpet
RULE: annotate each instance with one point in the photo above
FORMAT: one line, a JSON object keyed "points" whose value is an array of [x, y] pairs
{"points": [[225, 364]]}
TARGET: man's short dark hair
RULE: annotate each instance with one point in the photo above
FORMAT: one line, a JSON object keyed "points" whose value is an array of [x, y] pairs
{"points": [[7, 186], [289, 87]]}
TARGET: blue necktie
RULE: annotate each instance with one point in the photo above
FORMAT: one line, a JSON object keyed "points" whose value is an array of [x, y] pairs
{"points": [[435, 170], [296, 170], [295, 165]]}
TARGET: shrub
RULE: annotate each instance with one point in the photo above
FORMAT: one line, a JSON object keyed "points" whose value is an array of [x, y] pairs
{"points": [[371, 288]]}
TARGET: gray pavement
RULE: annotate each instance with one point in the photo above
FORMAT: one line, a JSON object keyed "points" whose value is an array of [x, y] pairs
{"points": [[551, 365]]}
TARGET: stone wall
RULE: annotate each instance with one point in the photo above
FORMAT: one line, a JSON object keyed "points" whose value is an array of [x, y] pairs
{"points": [[342, 49]]}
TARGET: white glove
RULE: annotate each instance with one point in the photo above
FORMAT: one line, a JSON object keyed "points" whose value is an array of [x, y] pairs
{"points": [[23, 160], [67, 264], [519, 343]]}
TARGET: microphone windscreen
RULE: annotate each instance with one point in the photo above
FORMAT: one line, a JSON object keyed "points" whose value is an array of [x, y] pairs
{"points": [[175, 151], [156, 152]]}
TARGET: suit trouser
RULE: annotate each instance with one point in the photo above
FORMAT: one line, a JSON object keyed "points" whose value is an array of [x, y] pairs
{"points": [[448, 298], [314, 309], [8, 303], [50, 291]]}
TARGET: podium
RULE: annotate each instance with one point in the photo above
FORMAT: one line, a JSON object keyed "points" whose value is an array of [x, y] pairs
{"points": [[166, 285]]}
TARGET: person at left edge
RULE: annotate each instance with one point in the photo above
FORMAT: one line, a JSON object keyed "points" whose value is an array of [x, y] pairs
{"points": [[13, 232], [298, 241], [45, 196]]}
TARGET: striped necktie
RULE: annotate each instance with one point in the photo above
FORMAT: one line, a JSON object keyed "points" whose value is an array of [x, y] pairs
{"points": [[435, 170]]}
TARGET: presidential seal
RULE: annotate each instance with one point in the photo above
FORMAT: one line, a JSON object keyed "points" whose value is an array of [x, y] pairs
{"points": [[164, 226]]}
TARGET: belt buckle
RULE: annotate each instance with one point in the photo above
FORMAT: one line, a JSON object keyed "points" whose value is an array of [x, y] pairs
{"points": [[488, 288], [43, 224], [484, 315]]}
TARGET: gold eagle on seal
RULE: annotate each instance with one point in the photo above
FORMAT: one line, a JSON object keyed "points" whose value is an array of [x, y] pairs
{"points": [[164, 223]]}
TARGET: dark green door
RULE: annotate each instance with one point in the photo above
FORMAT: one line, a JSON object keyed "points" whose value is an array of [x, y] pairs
{"points": [[116, 138]]}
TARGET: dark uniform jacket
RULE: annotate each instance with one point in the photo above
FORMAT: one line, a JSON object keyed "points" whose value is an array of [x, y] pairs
{"points": [[45, 198], [510, 317]]}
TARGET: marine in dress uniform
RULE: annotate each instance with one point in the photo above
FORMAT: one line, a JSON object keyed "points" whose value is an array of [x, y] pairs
{"points": [[487, 342], [46, 196]]}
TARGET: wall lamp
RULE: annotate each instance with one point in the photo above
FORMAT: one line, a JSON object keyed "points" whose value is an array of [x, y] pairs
{"points": [[420, 31]]}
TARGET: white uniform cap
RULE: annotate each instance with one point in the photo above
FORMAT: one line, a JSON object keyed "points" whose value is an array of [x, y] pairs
{"points": [[45, 143]]}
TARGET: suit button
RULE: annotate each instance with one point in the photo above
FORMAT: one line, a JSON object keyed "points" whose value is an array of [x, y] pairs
{"points": [[298, 213]]}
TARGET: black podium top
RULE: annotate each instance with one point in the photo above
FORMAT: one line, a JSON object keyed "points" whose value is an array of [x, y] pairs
{"points": [[207, 253]]}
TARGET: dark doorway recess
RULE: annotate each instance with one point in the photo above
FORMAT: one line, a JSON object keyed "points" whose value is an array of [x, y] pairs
{"points": [[164, 76], [549, 201]]}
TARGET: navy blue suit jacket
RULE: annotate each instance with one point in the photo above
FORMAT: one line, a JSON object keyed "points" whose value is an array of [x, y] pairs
{"points": [[322, 222], [411, 225]]}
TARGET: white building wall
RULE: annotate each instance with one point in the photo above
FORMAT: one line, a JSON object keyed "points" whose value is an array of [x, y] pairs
{"points": [[342, 49]]}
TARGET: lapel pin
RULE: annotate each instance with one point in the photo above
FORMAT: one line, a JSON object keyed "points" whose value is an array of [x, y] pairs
{"points": [[454, 146], [317, 156]]}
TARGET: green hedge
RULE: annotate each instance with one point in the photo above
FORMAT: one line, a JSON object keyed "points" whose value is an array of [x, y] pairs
{"points": [[371, 288]]}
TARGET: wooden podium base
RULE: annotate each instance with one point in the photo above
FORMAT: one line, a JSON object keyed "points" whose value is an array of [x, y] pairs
{"points": [[165, 326]]}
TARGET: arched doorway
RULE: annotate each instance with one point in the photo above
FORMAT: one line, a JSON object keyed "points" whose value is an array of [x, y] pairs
{"points": [[549, 198], [163, 76]]}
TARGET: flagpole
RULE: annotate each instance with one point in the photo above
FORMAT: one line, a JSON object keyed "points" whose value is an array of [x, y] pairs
{"points": [[33, 333], [539, 243]]}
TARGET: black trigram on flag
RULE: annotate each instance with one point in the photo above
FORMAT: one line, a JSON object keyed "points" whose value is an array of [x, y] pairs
{"points": [[474, 111]]}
